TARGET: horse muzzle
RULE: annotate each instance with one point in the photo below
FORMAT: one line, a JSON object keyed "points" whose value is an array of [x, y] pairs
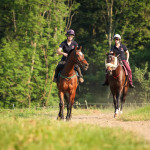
{"points": [[85, 67], [109, 71]]}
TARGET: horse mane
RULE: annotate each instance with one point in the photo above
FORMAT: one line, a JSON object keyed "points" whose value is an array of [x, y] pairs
{"points": [[70, 52]]}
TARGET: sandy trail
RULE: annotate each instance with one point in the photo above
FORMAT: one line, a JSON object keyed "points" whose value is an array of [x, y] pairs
{"points": [[141, 128]]}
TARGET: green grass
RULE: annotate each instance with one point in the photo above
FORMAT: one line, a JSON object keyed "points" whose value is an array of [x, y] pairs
{"points": [[138, 114], [39, 130]]}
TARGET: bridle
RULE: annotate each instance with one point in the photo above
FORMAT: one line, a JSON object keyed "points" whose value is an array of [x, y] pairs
{"points": [[113, 66], [77, 61]]}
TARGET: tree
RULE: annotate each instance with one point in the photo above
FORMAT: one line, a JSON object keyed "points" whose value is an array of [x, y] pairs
{"points": [[31, 32]]}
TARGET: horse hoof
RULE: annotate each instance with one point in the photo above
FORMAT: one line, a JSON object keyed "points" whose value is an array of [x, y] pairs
{"points": [[68, 118], [115, 115], [60, 118]]}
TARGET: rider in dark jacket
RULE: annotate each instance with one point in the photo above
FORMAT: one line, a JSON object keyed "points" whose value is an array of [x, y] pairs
{"points": [[121, 49], [64, 48]]}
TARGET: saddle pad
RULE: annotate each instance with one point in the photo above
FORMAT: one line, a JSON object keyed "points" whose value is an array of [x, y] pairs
{"points": [[126, 72]]}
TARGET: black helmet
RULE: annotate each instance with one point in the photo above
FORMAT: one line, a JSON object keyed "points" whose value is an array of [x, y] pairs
{"points": [[70, 32]]}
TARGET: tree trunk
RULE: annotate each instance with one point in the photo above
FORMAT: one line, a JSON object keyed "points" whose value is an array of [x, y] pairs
{"points": [[110, 20], [32, 68], [14, 18], [46, 76], [50, 89]]}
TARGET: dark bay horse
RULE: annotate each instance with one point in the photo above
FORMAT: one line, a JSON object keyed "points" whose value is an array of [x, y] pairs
{"points": [[118, 81], [67, 83]]}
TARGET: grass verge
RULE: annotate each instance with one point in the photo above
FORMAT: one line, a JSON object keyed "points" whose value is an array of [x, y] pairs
{"points": [[23, 130], [138, 114]]}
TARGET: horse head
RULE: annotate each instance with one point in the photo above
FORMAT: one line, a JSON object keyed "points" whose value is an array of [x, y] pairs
{"points": [[79, 59], [111, 62]]}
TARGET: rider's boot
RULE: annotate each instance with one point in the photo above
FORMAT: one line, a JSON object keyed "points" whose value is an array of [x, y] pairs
{"points": [[106, 81], [56, 74], [81, 80], [131, 85], [77, 68]]}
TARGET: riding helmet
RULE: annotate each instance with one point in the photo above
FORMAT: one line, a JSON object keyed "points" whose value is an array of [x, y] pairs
{"points": [[117, 36], [70, 32]]}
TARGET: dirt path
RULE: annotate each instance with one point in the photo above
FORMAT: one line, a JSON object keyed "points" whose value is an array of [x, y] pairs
{"points": [[141, 128]]}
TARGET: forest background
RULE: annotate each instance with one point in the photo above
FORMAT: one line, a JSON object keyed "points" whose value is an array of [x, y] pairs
{"points": [[32, 30]]}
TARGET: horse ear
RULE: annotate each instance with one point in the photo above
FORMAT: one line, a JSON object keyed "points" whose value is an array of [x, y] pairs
{"points": [[80, 47], [107, 53], [76, 48]]}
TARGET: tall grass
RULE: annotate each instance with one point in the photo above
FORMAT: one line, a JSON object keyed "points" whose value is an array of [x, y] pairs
{"points": [[39, 130], [138, 114]]}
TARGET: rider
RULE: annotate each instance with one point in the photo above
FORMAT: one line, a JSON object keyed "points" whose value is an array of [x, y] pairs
{"points": [[121, 49], [64, 48]]}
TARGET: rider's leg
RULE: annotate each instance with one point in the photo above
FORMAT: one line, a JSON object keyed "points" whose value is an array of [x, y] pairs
{"points": [[129, 73], [106, 80], [77, 68], [57, 70]]}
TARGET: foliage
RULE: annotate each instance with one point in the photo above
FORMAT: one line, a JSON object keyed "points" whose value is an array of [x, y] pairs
{"points": [[143, 78], [31, 31], [130, 18]]}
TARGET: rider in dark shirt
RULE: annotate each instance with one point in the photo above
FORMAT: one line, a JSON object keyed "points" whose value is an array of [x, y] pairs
{"points": [[64, 48], [121, 50]]}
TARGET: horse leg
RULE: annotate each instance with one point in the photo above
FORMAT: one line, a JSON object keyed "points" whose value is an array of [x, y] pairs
{"points": [[118, 102], [67, 97], [68, 111], [61, 106], [125, 90], [70, 115], [114, 100], [69, 108], [122, 102]]}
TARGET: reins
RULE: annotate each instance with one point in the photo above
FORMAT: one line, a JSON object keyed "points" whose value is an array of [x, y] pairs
{"points": [[80, 62], [117, 75]]}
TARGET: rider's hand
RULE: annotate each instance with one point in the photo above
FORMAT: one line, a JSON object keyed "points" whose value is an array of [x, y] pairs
{"points": [[65, 54], [127, 61]]}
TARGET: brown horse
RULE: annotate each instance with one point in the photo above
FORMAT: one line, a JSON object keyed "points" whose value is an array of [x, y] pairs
{"points": [[67, 83], [118, 81]]}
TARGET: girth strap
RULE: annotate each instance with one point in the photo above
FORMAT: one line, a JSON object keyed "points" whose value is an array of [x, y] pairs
{"points": [[67, 77]]}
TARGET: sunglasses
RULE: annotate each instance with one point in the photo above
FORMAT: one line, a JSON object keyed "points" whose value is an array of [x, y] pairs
{"points": [[70, 36], [117, 39]]}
